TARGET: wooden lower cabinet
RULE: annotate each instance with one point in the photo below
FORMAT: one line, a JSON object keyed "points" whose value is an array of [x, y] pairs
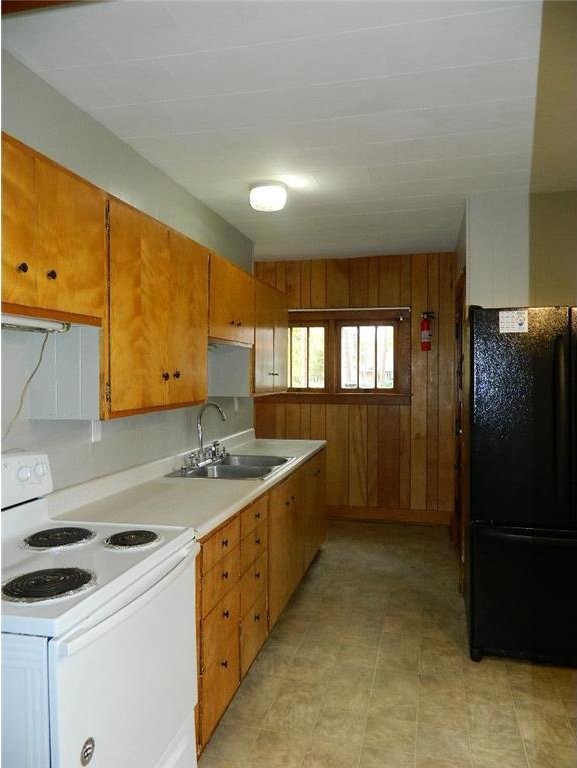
{"points": [[253, 633], [249, 568]]}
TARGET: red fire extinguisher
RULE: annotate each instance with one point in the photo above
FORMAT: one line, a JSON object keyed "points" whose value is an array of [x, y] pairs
{"points": [[426, 318]]}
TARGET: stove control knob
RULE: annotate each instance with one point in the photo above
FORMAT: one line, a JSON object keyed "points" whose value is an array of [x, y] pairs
{"points": [[24, 474], [87, 751], [40, 468]]}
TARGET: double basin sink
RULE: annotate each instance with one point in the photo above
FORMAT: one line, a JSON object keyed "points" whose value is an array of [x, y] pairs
{"points": [[236, 467]]}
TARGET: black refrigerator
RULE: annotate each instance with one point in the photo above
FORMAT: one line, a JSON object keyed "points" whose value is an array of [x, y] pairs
{"points": [[521, 586]]}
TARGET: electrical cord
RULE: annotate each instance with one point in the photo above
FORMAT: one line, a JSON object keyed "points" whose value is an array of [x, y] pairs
{"points": [[26, 386]]}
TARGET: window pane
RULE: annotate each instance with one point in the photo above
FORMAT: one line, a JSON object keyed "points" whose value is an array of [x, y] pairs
{"points": [[299, 357], [349, 357], [317, 358], [385, 357], [367, 357]]}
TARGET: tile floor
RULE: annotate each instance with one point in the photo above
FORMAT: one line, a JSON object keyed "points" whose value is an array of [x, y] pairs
{"points": [[368, 668]]}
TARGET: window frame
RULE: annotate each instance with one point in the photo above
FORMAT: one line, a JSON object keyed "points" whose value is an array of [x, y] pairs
{"points": [[334, 319], [339, 325], [319, 390]]}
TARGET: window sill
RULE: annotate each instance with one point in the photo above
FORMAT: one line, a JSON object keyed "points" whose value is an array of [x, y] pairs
{"points": [[358, 398]]}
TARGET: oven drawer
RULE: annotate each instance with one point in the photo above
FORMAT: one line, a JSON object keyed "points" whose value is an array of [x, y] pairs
{"points": [[254, 515], [218, 625], [218, 581], [219, 544], [252, 547], [253, 583], [218, 685], [253, 631]]}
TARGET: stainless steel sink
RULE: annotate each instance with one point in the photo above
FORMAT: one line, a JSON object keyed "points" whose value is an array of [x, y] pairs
{"points": [[244, 460], [236, 467]]}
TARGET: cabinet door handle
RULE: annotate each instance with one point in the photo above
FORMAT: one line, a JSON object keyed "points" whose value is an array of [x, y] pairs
{"points": [[225, 542], [166, 375], [225, 575], [257, 575], [257, 541], [176, 374], [238, 324], [287, 503], [292, 498], [257, 516], [23, 267], [257, 617], [225, 614], [224, 664], [232, 322], [52, 275]]}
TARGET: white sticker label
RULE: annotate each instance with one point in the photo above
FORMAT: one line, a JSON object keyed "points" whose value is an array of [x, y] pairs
{"points": [[514, 321]]}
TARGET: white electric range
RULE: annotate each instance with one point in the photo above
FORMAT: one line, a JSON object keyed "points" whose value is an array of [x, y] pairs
{"points": [[98, 636]]}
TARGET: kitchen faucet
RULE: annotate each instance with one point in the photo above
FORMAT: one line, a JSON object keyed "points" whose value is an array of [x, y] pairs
{"points": [[199, 422]]}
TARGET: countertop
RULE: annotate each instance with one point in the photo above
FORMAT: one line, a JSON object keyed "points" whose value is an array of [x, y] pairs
{"points": [[194, 503]]}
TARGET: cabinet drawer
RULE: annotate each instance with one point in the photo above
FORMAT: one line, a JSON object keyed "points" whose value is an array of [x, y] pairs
{"points": [[220, 623], [218, 685], [254, 515], [219, 544], [252, 547], [253, 583], [218, 581], [253, 632]]}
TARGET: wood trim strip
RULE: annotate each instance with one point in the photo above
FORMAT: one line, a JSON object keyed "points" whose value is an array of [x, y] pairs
{"points": [[50, 314], [384, 515], [334, 399]]}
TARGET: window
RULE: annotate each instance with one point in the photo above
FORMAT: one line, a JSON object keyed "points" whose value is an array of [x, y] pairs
{"points": [[352, 352]]}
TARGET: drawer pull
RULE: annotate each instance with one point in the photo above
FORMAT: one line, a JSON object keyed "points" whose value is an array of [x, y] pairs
{"points": [[52, 275], [292, 498], [257, 575], [224, 664], [22, 267], [257, 516], [225, 614], [287, 503], [257, 617], [225, 542], [232, 322], [225, 575], [166, 376], [257, 541], [176, 374]]}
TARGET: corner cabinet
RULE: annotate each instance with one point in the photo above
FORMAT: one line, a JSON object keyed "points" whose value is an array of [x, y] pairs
{"points": [[231, 314], [158, 304], [271, 338], [53, 239]]}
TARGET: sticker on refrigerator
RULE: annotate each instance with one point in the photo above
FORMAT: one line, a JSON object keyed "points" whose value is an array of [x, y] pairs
{"points": [[514, 321]]}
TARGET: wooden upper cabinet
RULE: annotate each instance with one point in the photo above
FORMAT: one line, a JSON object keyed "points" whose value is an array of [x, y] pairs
{"points": [[188, 325], [54, 237], [231, 316], [158, 307], [270, 344]]}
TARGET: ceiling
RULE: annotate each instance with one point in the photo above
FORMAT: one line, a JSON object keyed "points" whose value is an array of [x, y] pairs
{"points": [[385, 114]]}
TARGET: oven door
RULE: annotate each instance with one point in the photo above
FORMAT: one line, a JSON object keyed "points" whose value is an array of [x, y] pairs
{"points": [[123, 688]]}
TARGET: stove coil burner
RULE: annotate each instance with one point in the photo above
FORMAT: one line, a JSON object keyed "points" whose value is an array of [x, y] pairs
{"points": [[47, 584], [131, 539], [53, 538]]}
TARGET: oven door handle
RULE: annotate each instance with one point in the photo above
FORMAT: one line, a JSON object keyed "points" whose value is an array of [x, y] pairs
{"points": [[83, 636]]}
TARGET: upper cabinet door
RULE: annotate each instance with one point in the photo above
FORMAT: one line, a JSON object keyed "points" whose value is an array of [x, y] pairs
{"points": [[281, 342], [263, 338], [54, 244], [139, 306], [188, 320], [231, 315]]}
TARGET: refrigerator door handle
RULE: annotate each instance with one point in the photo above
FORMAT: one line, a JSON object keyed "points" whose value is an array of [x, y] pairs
{"points": [[561, 420]]}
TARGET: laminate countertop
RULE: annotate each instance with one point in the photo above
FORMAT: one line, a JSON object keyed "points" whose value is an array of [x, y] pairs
{"points": [[196, 503]]}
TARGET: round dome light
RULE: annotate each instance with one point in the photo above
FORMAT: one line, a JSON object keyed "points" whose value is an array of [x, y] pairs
{"points": [[268, 196]]}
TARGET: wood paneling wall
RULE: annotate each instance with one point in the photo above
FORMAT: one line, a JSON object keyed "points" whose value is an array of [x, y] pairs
{"points": [[384, 462]]}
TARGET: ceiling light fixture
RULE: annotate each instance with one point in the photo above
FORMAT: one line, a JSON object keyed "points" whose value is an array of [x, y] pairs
{"points": [[268, 196]]}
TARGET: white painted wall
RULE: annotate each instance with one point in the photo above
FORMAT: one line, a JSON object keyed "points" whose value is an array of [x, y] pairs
{"points": [[497, 249], [35, 113]]}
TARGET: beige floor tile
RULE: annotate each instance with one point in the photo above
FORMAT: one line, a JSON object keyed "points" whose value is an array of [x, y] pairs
{"points": [[328, 754], [231, 742], [513, 756], [340, 727], [395, 682], [390, 735], [252, 700], [379, 758], [493, 725], [294, 709], [540, 727], [434, 762], [358, 655], [274, 660], [550, 756], [385, 704], [450, 714], [434, 740], [277, 750]]}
